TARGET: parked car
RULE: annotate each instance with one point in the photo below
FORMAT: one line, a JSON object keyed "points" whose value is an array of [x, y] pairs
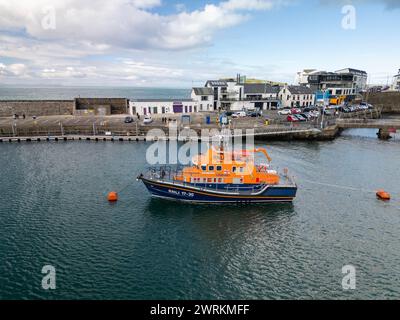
{"points": [[129, 120], [300, 117], [366, 105], [310, 108], [306, 115], [147, 119], [296, 111], [254, 114], [284, 112], [292, 118], [240, 114]]}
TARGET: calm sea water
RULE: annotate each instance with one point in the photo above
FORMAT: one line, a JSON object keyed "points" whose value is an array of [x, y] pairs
{"points": [[66, 93], [53, 211]]}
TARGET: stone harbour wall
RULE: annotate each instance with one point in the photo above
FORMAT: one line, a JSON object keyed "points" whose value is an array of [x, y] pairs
{"points": [[390, 101], [36, 107]]}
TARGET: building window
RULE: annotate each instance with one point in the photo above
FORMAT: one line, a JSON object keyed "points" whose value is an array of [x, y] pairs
{"points": [[204, 98], [163, 110], [155, 111]]}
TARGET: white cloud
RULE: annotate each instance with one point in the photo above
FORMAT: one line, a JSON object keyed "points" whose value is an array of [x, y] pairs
{"points": [[13, 70], [249, 4], [88, 36], [126, 23], [389, 4]]}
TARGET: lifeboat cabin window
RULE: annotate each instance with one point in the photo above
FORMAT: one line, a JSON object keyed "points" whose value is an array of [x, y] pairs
{"points": [[233, 169], [204, 168], [241, 170], [211, 168], [219, 168]]}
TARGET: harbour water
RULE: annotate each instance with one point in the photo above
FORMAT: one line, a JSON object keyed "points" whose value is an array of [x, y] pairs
{"points": [[53, 211]]}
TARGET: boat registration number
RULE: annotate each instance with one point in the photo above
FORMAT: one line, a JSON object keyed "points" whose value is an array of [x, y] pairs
{"points": [[182, 193]]}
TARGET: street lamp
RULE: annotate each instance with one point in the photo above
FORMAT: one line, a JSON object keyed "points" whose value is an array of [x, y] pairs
{"points": [[323, 108]]}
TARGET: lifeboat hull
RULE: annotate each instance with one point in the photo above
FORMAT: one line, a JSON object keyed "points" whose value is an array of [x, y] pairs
{"points": [[188, 193]]}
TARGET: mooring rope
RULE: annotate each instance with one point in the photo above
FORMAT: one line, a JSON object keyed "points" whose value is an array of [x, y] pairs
{"points": [[338, 186], [395, 203]]}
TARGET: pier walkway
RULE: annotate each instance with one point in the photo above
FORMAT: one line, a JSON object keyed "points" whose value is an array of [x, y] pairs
{"points": [[385, 126], [259, 133], [368, 123]]}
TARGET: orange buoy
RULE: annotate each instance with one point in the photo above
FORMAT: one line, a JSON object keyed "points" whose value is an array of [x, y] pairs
{"points": [[383, 195], [112, 196]]}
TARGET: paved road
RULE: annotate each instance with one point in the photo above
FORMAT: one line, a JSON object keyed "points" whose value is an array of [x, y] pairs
{"points": [[115, 120], [65, 120]]}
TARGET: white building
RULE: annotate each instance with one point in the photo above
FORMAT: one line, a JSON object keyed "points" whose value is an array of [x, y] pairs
{"points": [[302, 76], [236, 95], [396, 82], [360, 78], [257, 96], [204, 98], [344, 82], [296, 96], [225, 90], [162, 106]]}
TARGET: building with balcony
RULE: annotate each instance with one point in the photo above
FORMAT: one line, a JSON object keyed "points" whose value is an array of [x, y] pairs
{"points": [[242, 94], [360, 78], [396, 82], [345, 82]]}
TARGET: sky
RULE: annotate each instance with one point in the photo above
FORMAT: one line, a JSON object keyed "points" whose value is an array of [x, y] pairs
{"points": [[180, 44]]}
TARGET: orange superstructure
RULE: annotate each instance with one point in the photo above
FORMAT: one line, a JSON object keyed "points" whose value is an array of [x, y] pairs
{"points": [[218, 166]]}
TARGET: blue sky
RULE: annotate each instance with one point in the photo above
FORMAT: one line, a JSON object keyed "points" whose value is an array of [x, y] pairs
{"points": [[183, 43]]}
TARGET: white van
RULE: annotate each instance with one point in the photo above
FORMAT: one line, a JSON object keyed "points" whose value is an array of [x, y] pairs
{"points": [[147, 119], [240, 114]]}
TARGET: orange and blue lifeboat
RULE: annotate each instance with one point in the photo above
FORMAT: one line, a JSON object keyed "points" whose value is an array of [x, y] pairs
{"points": [[221, 176]]}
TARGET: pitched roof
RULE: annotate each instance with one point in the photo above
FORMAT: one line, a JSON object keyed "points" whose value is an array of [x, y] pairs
{"points": [[299, 90], [203, 91], [259, 88], [217, 83], [351, 70]]}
